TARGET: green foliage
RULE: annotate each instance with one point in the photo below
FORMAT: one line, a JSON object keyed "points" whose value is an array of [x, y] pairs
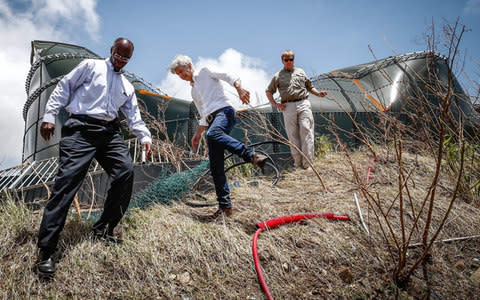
{"points": [[322, 146], [245, 170], [15, 215], [469, 188]]}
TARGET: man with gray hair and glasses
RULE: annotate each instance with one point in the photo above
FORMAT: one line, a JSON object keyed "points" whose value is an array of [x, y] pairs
{"points": [[294, 85], [218, 117]]}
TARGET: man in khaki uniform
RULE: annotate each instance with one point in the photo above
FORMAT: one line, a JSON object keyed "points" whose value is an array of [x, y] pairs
{"points": [[294, 85]]}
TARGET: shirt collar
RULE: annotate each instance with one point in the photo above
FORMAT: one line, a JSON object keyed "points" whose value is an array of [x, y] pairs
{"points": [[110, 66]]}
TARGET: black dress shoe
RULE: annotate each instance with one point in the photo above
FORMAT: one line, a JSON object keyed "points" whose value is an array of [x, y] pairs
{"points": [[98, 234], [106, 236], [46, 264], [112, 240], [99, 229]]}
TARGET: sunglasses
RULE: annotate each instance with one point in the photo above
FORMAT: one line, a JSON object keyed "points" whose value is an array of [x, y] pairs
{"points": [[122, 58], [288, 59]]}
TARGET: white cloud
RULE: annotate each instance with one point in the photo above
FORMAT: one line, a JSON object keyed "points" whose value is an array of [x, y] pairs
{"points": [[253, 78], [38, 20], [472, 7], [175, 87], [70, 13]]}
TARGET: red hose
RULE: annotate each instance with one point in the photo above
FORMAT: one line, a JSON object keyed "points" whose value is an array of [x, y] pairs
{"points": [[370, 169], [272, 223], [258, 267]]}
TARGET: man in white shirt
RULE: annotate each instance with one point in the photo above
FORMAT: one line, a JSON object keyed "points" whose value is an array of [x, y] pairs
{"points": [[92, 93], [217, 117]]}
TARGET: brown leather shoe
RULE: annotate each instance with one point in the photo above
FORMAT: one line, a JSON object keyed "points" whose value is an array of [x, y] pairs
{"points": [[222, 211], [259, 159]]}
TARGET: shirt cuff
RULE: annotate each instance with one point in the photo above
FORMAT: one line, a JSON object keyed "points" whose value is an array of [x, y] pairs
{"points": [[49, 118], [203, 122], [145, 139]]}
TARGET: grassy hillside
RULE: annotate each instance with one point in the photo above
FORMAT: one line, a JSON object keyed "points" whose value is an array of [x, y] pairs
{"points": [[171, 252]]}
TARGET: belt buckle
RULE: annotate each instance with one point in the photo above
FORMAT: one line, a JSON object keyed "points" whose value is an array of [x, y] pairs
{"points": [[209, 118]]}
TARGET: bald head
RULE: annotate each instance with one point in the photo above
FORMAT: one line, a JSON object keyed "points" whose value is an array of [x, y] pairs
{"points": [[124, 42], [121, 52]]}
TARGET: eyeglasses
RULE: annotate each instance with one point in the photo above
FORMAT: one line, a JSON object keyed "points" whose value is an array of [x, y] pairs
{"points": [[122, 58], [288, 59]]}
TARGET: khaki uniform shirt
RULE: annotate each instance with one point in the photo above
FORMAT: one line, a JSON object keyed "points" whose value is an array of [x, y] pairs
{"points": [[291, 85]]}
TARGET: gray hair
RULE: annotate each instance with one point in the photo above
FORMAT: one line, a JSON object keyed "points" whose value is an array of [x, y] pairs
{"points": [[288, 53], [179, 60]]}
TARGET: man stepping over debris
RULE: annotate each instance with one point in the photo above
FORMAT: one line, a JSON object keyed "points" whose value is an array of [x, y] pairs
{"points": [[217, 117]]}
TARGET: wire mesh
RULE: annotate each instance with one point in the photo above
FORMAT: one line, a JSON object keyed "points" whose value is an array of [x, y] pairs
{"points": [[165, 189]]}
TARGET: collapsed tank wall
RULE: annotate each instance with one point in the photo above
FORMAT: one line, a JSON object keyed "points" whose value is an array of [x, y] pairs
{"points": [[396, 85]]}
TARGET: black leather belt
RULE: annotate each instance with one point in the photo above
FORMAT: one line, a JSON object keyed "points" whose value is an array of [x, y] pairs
{"points": [[95, 121], [292, 100]]}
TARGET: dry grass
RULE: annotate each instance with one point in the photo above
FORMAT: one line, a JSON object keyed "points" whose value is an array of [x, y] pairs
{"points": [[170, 253]]}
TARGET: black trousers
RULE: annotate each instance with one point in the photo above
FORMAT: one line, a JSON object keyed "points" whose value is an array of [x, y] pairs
{"points": [[80, 143]]}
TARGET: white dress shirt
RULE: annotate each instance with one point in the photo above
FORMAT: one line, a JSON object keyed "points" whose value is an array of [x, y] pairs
{"points": [[96, 90], [208, 93]]}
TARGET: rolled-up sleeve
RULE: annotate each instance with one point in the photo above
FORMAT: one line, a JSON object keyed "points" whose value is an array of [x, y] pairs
{"points": [[227, 77], [308, 82], [203, 122], [272, 87]]}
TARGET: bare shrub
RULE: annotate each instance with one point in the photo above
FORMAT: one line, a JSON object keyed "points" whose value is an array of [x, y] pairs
{"points": [[431, 122]]}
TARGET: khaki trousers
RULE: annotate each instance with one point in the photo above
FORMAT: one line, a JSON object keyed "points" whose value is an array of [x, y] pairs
{"points": [[299, 126]]}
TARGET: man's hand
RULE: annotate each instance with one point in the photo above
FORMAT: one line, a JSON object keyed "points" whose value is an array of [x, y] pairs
{"points": [[195, 141], [196, 137], [322, 94], [280, 106], [244, 95], [47, 130], [148, 149]]}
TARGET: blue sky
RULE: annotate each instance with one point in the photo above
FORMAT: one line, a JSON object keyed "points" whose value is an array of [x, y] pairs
{"points": [[245, 36]]}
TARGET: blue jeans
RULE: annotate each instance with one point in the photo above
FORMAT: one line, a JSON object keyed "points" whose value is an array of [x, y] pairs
{"points": [[218, 140]]}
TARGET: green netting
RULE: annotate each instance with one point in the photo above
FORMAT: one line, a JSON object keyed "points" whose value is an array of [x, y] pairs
{"points": [[165, 189]]}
